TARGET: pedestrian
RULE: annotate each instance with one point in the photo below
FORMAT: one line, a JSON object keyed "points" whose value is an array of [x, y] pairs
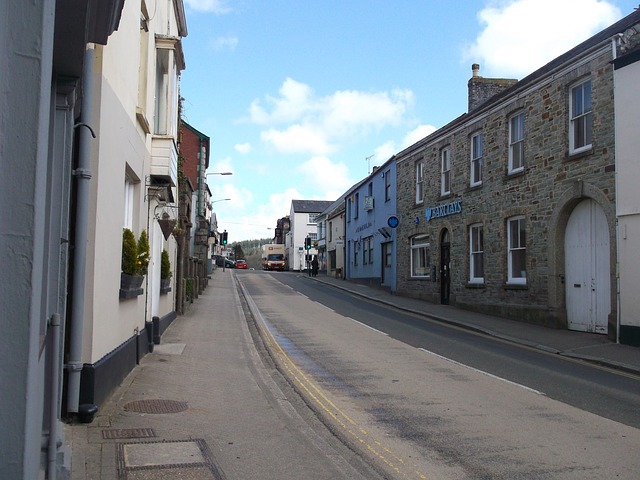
{"points": [[314, 266]]}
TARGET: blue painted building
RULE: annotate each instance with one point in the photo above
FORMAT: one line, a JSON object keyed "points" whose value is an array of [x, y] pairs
{"points": [[370, 206]]}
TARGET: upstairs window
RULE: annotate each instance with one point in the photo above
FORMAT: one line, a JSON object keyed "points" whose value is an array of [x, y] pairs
{"points": [[387, 185], [356, 206], [445, 171], [419, 182], [516, 143], [476, 159], [581, 119]]}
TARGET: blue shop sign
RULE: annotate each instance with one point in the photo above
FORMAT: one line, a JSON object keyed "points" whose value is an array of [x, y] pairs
{"points": [[444, 210]]}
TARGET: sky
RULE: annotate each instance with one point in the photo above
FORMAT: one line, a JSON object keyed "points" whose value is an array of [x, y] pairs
{"points": [[302, 98]]}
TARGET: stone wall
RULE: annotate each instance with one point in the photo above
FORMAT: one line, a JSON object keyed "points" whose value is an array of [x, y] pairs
{"points": [[552, 183]]}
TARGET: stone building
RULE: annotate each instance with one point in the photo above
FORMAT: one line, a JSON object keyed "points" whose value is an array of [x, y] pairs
{"points": [[510, 208]]}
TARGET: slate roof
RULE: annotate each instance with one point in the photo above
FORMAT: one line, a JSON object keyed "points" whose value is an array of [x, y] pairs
{"points": [[595, 41], [309, 206]]}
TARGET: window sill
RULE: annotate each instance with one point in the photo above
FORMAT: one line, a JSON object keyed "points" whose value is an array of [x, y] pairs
{"points": [[515, 286], [472, 188], [571, 156], [511, 175]]}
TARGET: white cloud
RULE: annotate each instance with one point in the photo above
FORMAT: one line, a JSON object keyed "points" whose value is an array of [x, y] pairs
{"points": [[218, 7], [298, 139], [224, 43], [385, 151], [324, 174], [416, 135], [522, 35], [243, 148], [318, 125]]}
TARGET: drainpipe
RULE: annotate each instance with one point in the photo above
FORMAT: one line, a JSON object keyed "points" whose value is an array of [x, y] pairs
{"points": [[83, 176], [52, 452], [614, 54]]}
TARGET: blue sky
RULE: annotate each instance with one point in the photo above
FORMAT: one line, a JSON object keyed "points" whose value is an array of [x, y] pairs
{"points": [[295, 95]]}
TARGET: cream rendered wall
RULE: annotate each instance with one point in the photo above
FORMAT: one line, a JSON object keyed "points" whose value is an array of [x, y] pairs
{"points": [[121, 146], [627, 106]]}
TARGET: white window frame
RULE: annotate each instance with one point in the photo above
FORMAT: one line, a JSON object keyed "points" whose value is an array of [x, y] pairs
{"points": [[367, 250], [476, 150], [129, 195], [580, 117], [517, 246], [419, 182], [476, 253], [445, 171], [516, 143], [420, 257]]}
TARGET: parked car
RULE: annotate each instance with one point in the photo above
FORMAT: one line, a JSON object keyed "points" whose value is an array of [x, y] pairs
{"points": [[241, 264], [222, 261]]}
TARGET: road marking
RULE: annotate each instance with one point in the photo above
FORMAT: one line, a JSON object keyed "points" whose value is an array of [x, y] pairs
{"points": [[482, 372], [368, 326], [393, 461]]}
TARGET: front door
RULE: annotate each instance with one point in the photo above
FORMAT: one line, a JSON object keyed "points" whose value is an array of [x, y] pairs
{"points": [[445, 267], [587, 267]]}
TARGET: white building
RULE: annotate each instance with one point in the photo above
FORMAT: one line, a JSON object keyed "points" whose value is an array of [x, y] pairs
{"points": [[627, 125], [303, 214], [133, 185]]}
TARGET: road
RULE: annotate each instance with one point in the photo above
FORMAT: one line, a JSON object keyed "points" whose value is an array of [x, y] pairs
{"points": [[422, 400]]}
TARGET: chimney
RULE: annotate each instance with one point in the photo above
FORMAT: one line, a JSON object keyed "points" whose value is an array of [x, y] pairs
{"points": [[482, 89]]}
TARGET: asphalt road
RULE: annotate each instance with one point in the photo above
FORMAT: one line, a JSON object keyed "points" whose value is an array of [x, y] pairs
{"points": [[424, 400]]}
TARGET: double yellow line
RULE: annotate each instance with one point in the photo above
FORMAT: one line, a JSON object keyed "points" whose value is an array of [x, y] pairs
{"points": [[391, 460]]}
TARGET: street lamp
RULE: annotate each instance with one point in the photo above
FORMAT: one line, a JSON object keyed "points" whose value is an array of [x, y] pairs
{"points": [[218, 173], [220, 200]]}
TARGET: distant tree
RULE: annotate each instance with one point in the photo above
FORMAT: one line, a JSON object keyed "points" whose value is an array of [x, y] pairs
{"points": [[238, 252]]}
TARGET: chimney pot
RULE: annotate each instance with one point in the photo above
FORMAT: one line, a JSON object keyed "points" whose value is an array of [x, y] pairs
{"points": [[475, 69]]}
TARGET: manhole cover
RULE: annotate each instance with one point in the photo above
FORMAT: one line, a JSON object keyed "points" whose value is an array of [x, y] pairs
{"points": [[156, 406]]}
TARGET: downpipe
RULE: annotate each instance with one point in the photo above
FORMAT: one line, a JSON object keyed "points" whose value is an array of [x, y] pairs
{"points": [[52, 451], [83, 176]]}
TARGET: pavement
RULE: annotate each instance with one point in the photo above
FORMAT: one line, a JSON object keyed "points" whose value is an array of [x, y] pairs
{"points": [[203, 405]]}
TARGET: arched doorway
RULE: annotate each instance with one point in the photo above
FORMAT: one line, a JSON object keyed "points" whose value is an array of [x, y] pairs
{"points": [[587, 268], [445, 267]]}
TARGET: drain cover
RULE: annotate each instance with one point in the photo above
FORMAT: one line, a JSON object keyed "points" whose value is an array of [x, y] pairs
{"points": [[156, 406]]}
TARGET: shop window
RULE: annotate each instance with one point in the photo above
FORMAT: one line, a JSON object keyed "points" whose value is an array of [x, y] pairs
{"points": [[420, 258]]}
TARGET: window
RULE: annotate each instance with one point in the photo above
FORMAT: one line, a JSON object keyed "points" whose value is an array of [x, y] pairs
{"points": [[330, 232], [419, 182], [517, 250], [313, 219], [581, 120], [129, 188], [356, 206], [420, 262], [476, 253], [387, 185], [162, 92], [367, 244], [476, 159], [386, 254], [355, 253], [445, 171], [516, 143]]}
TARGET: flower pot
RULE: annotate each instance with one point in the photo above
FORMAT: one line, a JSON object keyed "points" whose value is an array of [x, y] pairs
{"points": [[131, 285], [165, 285]]}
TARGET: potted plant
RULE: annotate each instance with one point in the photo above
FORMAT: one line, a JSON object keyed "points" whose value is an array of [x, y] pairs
{"points": [[165, 272], [131, 277]]}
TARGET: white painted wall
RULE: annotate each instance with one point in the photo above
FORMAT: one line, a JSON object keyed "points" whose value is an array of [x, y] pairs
{"points": [[627, 106]]}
